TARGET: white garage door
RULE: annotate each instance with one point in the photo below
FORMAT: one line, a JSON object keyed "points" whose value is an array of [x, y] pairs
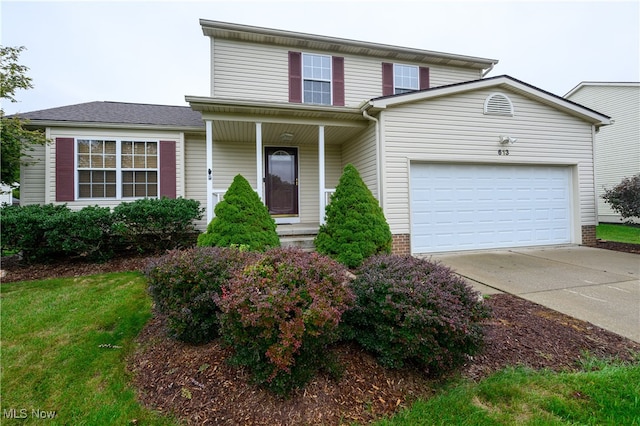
{"points": [[465, 207]]}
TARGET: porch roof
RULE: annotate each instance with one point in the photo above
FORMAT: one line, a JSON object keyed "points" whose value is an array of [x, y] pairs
{"points": [[233, 120]]}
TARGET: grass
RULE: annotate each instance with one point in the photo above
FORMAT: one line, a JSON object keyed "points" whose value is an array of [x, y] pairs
{"points": [[64, 349], [65, 343], [618, 233], [609, 396]]}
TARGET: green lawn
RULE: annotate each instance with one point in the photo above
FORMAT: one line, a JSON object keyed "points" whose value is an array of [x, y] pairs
{"points": [[619, 233], [609, 396], [65, 343]]}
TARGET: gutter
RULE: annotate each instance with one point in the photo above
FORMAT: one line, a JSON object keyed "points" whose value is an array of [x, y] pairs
{"points": [[366, 115]]}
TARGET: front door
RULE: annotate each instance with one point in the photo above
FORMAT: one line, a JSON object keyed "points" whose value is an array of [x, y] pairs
{"points": [[281, 182]]}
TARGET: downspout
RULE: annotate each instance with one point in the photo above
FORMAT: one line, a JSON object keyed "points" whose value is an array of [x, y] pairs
{"points": [[488, 70], [366, 115]]}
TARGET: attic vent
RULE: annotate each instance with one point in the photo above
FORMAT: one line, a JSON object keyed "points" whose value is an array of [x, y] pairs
{"points": [[498, 104]]}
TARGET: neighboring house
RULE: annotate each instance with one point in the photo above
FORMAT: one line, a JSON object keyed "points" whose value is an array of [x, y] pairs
{"points": [[617, 153], [457, 161], [6, 197]]}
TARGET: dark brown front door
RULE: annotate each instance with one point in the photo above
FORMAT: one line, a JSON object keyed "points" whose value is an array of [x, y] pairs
{"points": [[281, 183]]}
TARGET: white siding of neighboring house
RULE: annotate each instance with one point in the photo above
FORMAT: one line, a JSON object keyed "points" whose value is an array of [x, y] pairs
{"points": [[195, 165], [454, 129], [259, 72], [50, 168], [32, 178], [361, 152], [617, 145]]}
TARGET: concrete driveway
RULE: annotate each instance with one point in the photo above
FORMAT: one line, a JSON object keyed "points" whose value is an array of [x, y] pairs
{"points": [[594, 285]]}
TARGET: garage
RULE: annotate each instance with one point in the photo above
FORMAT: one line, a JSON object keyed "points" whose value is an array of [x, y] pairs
{"points": [[479, 206]]}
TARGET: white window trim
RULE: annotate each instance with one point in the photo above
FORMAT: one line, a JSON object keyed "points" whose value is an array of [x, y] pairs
{"points": [[118, 169], [330, 80], [416, 67]]}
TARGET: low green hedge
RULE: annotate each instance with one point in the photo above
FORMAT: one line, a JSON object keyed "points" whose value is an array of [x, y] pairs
{"points": [[46, 232]]}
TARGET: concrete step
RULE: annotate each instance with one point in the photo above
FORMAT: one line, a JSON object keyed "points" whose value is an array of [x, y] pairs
{"points": [[304, 242]]}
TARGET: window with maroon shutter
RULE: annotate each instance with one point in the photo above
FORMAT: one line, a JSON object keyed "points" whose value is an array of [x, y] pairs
{"points": [[295, 77], [114, 168], [168, 169], [338, 81], [65, 170], [424, 78], [387, 79]]}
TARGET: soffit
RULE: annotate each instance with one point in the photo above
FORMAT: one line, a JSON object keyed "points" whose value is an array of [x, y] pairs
{"points": [[304, 41]]}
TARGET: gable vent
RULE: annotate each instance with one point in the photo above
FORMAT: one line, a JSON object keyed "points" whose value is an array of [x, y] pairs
{"points": [[498, 104]]}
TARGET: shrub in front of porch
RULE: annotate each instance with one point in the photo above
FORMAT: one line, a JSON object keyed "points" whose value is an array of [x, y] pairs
{"points": [[242, 220], [355, 226], [280, 313]]}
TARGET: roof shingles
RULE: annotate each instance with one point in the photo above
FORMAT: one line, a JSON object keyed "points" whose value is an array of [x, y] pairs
{"points": [[120, 113]]}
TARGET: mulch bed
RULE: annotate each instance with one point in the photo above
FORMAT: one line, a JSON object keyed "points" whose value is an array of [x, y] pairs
{"points": [[196, 384]]}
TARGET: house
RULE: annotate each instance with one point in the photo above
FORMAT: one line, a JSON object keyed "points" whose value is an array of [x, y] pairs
{"points": [[457, 161], [617, 151]]}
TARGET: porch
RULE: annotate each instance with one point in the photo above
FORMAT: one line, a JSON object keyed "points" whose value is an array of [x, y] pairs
{"points": [[292, 156]]}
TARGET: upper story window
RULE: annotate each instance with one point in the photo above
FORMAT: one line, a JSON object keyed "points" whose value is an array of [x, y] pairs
{"points": [[316, 79], [398, 78], [405, 78], [116, 168]]}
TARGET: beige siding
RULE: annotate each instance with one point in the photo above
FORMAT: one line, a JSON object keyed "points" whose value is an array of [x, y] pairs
{"points": [[361, 152], [32, 178], [50, 172], [454, 129], [617, 145], [259, 72], [332, 165], [195, 166]]}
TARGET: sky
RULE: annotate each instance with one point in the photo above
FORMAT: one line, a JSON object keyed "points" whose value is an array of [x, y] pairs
{"points": [[154, 51]]}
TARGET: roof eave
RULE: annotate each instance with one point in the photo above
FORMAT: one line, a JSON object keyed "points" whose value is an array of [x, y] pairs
{"points": [[96, 124], [227, 30], [573, 108]]}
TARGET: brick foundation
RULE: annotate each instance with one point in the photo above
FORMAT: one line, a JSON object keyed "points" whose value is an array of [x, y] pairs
{"points": [[589, 235], [401, 244]]}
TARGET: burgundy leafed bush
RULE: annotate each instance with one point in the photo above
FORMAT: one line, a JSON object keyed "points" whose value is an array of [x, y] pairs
{"points": [[185, 285], [409, 309], [281, 312]]}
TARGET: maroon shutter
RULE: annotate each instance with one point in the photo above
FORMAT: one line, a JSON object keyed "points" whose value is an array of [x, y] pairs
{"points": [[387, 79], [338, 80], [295, 77], [424, 78], [65, 170], [167, 169]]}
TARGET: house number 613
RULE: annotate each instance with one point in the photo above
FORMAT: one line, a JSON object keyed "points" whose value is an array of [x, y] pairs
{"points": [[503, 152]]}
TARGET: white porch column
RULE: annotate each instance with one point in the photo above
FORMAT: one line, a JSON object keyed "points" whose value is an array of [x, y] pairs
{"points": [[259, 186], [209, 169], [323, 197]]}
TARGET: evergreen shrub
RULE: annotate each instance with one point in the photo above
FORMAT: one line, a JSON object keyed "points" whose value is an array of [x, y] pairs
{"points": [[355, 226], [185, 285], [280, 313], [413, 310], [241, 219], [153, 225]]}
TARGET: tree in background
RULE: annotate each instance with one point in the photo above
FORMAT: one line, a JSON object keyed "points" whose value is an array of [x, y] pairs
{"points": [[624, 198], [355, 225], [16, 142]]}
